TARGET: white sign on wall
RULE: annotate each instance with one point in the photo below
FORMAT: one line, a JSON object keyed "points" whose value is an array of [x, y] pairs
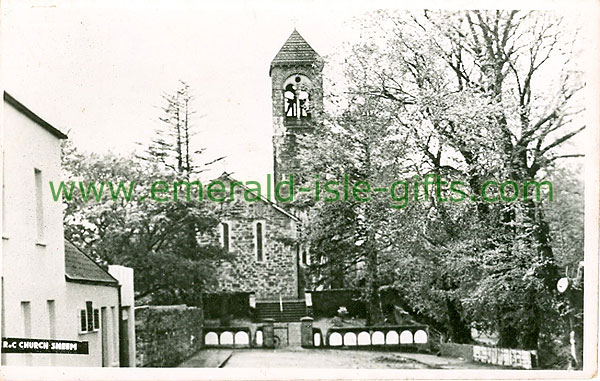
{"points": [[515, 358]]}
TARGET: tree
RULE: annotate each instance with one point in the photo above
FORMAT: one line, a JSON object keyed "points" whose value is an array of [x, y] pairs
{"points": [[164, 242], [468, 91], [348, 238], [158, 240], [172, 146]]}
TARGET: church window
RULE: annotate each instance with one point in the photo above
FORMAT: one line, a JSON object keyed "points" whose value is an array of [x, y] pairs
{"points": [[304, 255], [225, 235], [259, 239]]}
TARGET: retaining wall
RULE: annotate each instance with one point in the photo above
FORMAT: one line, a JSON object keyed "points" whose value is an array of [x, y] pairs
{"points": [[167, 335]]}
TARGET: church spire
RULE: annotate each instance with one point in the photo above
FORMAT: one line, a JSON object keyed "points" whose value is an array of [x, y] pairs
{"points": [[295, 51], [297, 95]]}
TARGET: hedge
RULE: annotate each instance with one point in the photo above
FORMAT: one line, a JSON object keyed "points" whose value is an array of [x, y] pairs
{"points": [[325, 303], [227, 305]]}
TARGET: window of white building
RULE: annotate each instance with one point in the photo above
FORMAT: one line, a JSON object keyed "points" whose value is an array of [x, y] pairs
{"points": [[4, 235], [26, 316], [89, 319], [51, 318], [39, 205]]}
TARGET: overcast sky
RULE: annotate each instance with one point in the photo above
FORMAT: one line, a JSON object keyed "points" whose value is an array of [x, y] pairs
{"points": [[97, 71]]}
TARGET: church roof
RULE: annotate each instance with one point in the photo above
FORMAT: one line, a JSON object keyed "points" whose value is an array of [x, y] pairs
{"points": [[227, 176], [295, 51]]}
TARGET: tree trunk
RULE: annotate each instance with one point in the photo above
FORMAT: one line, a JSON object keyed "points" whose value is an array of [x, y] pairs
{"points": [[458, 330], [531, 332], [375, 314], [507, 335]]}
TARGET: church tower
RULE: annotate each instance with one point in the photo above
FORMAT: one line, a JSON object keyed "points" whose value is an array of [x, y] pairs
{"points": [[297, 95]]}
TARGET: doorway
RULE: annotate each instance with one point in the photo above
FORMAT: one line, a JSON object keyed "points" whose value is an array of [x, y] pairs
{"points": [[104, 331]]}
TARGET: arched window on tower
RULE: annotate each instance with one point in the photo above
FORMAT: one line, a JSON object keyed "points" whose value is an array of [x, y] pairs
{"points": [[296, 93]]}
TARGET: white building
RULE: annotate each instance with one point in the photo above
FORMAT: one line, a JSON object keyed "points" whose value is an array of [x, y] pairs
{"points": [[50, 289]]}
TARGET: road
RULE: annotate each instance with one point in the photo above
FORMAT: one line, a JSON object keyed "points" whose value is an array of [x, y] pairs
{"points": [[323, 358]]}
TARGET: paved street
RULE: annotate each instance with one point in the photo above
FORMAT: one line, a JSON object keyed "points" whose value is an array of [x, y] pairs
{"points": [[323, 358]]}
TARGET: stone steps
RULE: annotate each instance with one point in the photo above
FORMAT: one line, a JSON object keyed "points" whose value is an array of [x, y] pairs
{"points": [[292, 311]]}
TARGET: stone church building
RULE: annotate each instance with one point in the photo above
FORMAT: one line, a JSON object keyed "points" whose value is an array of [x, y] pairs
{"points": [[262, 236]]}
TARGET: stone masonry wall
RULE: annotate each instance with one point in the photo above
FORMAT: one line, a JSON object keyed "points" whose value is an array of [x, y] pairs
{"points": [[287, 139], [167, 335], [277, 274]]}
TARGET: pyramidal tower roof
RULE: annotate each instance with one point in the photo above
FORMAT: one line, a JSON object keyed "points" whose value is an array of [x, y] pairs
{"points": [[295, 51]]}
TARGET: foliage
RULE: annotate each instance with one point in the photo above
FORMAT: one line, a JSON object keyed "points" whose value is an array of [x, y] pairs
{"points": [[463, 95], [350, 236], [159, 240], [173, 146]]}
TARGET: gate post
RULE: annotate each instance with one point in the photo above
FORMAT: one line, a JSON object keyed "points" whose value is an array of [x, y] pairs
{"points": [[306, 332], [268, 333]]}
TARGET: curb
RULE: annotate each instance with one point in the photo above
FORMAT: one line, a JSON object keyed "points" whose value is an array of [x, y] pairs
{"points": [[224, 362]]}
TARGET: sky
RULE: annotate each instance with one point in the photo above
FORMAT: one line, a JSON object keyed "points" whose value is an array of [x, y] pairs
{"points": [[96, 70]]}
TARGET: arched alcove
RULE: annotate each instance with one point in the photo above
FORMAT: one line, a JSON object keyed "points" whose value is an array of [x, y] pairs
{"points": [[297, 97]]}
